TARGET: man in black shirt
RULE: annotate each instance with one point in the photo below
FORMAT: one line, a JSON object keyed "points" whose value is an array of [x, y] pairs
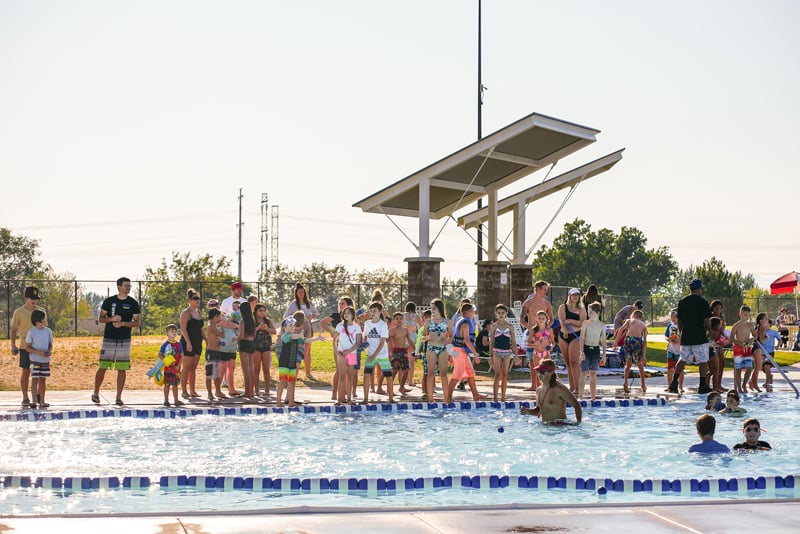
{"points": [[120, 313], [694, 318], [752, 431]]}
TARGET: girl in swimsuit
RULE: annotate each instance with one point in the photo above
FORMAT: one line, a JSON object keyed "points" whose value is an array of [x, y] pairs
{"points": [[412, 323], [571, 315], [539, 343], [502, 348], [438, 333], [262, 358]]}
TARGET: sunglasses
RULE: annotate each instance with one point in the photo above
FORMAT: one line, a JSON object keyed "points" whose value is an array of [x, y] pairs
{"points": [[195, 298], [752, 429]]}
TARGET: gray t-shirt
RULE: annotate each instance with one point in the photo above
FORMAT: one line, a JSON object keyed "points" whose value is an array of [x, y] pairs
{"points": [[39, 339]]}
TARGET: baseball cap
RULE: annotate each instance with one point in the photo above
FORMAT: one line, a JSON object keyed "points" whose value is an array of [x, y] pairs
{"points": [[574, 291], [32, 293], [236, 285], [546, 365], [696, 284], [212, 303]]}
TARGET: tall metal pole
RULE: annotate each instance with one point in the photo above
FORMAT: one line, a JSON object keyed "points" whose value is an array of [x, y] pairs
{"points": [[480, 132], [240, 235]]}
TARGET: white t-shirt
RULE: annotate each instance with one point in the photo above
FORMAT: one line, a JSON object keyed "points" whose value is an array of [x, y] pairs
{"points": [[226, 306], [373, 333], [347, 339], [39, 339]]}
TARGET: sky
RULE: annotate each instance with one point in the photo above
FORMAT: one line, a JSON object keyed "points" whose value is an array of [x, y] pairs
{"points": [[127, 129]]}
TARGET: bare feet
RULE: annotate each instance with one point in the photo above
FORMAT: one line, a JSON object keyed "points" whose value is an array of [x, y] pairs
{"points": [[380, 392], [529, 389]]}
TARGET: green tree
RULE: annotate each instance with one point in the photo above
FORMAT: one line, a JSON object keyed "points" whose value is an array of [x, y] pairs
{"points": [[164, 290], [718, 282], [453, 290], [19, 257], [617, 263]]}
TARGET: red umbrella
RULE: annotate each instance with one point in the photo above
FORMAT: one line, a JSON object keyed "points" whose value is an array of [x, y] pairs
{"points": [[785, 284]]}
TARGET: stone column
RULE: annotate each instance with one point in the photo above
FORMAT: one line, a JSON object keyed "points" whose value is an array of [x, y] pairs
{"points": [[521, 280], [493, 286], [424, 280]]}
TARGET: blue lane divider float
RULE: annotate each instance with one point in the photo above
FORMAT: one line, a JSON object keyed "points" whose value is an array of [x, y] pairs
{"points": [[371, 486], [172, 413]]}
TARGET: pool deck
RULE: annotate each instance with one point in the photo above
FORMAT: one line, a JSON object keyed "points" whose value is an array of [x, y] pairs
{"points": [[776, 516]]}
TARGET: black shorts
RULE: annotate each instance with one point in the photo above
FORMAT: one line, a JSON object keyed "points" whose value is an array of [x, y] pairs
{"points": [[248, 346], [24, 359], [228, 356]]}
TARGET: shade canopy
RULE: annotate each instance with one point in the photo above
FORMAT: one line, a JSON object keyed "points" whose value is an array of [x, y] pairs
{"points": [[785, 284], [495, 161]]}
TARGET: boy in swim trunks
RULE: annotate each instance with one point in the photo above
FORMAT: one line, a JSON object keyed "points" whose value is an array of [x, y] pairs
{"points": [[376, 334], [399, 341], [742, 338], [214, 336], [635, 347], [292, 333], [673, 348]]}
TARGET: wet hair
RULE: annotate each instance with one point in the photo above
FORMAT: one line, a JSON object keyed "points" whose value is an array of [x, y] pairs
{"points": [[376, 306], [751, 421], [37, 316], [248, 320], [710, 404], [213, 313], [172, 327], [733, 393], [706, 425], [411, 306], [297, 288]]}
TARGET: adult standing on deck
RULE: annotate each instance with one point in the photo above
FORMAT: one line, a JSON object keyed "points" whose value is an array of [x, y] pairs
{"points": [[121, 314], [20, 324], [303, 303], [694, 322], [571, 315], [534, 303], [625, 312], [192, 337], [228, 366]]}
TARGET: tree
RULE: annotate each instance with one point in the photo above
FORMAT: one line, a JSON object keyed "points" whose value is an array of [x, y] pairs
{"points": [[164, 290], [19, 257], [718, 283], [452, 293], [616, 263]]}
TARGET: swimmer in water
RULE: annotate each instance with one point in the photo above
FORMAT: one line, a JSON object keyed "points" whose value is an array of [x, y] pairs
{"points": [[552, 397]]}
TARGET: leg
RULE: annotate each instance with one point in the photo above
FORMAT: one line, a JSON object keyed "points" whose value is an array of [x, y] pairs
{"points": [[625, 376], [745, 379], [279, 393], [25, 384], [307, 360], [412, 362], [534, 377], [99, 375], [574, 366], [430, 378], [341, 383], [367, 383], [290, 386], [592, 384], [447, 385], [642, 376], [503, 379], [496, 382], [756, 369], [712, 370], [121, 375], [737, 379]]}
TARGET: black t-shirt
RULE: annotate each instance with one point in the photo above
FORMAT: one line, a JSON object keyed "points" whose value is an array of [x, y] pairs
{"points": [[336, 318], [124, 308], [692, 312], [760, 446]]}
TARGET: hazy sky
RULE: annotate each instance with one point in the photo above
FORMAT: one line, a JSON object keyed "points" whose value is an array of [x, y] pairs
{"points": [[127, 128]]}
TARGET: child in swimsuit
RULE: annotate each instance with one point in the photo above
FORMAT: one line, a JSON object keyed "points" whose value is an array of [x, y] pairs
{"points": [[437, 332], [635, 347], [502, 348], [538, 345]]}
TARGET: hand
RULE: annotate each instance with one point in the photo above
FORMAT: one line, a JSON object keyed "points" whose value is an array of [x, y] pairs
{"points": [[14, 349], [116, 318], [189, 346], [116, 324]]}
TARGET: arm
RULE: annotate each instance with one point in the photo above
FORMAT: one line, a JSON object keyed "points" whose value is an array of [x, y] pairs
{"points": [[312, 310], [570, 399], [491, 338], [468, 342], [325, 324], [290, 310], [644, 346]]}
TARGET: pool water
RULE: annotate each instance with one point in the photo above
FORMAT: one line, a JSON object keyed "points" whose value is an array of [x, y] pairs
{"points": [[633, 443]]}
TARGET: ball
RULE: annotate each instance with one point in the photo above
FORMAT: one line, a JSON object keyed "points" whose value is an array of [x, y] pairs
{"points": [[501, 429], [602, 491]]}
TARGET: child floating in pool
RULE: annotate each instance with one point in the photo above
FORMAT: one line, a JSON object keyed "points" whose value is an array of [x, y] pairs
{"points": [[732, 408], [752, 431], [706, 425], [172, 375]]}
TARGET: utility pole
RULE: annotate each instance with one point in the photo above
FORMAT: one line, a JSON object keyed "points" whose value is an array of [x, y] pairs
{"points": [[264, 233], [240, 235], [480, 128]]}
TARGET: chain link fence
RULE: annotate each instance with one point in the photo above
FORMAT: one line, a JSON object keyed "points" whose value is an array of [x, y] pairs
{"points": [[72, 305]]}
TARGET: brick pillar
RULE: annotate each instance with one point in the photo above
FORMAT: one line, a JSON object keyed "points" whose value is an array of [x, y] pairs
{"points": [[521, 280], [424, 280], [493, 286]]}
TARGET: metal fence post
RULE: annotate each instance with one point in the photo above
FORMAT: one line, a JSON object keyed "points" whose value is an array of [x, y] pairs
{"points": [[76, 307]]}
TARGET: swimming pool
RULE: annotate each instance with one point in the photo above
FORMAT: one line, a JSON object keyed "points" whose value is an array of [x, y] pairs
{"points": [[403, 457]]}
